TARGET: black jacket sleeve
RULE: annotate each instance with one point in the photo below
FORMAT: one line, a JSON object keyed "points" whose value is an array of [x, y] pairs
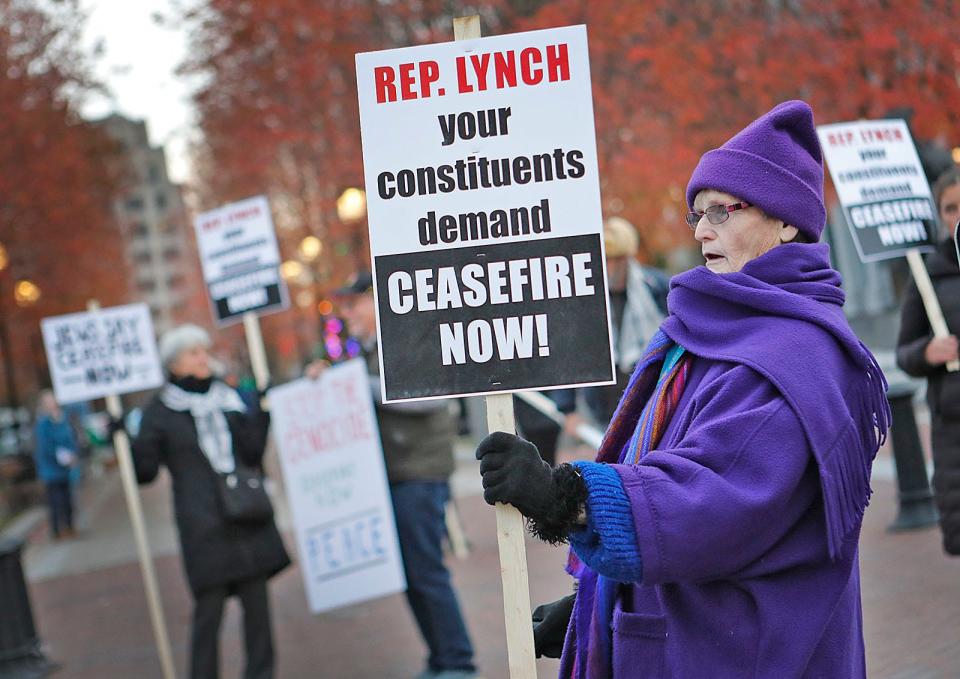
{"points": [[149, 445], [915, 335], [254, 428]]}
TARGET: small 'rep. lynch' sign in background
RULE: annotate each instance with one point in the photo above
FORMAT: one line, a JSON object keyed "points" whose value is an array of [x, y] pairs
{"points": [[100, 353], [241, 260], [881, 185], [484, 214]]}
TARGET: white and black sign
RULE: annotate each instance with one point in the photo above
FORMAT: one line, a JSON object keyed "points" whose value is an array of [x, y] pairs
{"points": [[881, 186], [241, 260], [101, 353], [484, 212]]}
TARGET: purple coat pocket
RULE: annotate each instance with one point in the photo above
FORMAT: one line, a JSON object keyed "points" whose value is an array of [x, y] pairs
{"points": [[639, 641]]}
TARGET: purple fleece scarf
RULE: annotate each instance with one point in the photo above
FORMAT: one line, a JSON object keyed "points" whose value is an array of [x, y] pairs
{"points": [[782, 316]]}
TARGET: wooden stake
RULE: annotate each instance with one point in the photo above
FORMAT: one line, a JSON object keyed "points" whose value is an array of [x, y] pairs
{"points": [[510, 524], [458, 539], [258, 355], [513, 561], [467, 28], [930, 302], [121, 445]]}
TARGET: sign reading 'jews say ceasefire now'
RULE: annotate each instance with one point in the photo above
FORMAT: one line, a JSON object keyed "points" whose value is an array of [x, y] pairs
{"points": [[101, 353], [484, 211], [240, 259], [881, 186]]}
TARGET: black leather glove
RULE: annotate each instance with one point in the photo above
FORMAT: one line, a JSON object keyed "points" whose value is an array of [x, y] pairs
{"points": [[114, 425], [513, 472], [550, 622]]}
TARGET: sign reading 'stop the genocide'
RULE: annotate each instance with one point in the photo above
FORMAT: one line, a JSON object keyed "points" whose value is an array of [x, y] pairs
{"points": [[101, 353], [484, 212], [881, 186], [336, 481], [240, 259]]}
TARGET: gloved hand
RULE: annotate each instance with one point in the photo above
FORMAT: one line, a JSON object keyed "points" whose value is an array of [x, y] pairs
{"points": [[513, 472], [550, 622], [114, 425]]}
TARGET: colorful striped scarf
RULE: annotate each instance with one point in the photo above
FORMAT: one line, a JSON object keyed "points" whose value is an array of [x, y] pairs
{"points": [[659, 380]]}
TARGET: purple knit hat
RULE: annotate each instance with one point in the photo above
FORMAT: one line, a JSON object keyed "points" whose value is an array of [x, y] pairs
{"points": [[775, 163]]}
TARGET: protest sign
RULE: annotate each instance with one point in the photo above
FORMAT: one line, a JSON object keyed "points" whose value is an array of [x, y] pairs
{"points": [[881, 187], [484, 215], [100, 353], [886, 200], [241, 260], [336, 483]]}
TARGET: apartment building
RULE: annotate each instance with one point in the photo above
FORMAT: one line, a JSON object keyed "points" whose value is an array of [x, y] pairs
{"points": [[155, 224]]}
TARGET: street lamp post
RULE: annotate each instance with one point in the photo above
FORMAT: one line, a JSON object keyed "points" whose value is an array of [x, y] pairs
{"points": [[5, 347], [351, 209]]}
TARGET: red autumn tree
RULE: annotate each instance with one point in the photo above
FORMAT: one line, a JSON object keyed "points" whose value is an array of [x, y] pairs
{"points": [[673, 79], [279, 115], [56, 181]]}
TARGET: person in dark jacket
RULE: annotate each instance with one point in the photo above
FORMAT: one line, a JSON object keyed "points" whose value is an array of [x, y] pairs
{"points": [[198, 428], [417, 440], [56, 453], [921, 354]]}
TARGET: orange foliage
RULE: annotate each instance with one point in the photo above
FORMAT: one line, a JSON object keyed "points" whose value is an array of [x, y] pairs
{"points": [[56, 181], [671, 79], [279, 115]]}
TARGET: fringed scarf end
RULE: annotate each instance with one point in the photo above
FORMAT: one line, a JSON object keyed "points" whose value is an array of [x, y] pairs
{"points": [[845, 470], [845, 482]]}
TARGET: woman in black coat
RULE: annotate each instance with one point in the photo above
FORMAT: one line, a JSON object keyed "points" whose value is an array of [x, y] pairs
{"points": [[920, 354], [199, 428]]}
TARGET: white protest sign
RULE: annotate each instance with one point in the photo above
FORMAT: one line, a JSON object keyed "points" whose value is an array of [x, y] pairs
{"points": [[484, 211], [881, 186], [336, 482], [240, 259], [99, 353]]}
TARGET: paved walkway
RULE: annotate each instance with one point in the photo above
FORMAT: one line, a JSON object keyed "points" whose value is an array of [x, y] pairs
{"points": [[89, 603]]}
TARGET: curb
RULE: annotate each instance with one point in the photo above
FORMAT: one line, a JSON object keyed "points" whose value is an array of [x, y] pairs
{"points": [[24, 524]]}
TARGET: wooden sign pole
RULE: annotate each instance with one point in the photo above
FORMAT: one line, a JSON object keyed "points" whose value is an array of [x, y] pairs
{"points": [[930, 302], [510, 523], [513, 561], [258, 355], [121, 445]]}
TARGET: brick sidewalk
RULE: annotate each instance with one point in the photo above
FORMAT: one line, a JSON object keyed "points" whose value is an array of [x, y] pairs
{"points": [[95, 623]]}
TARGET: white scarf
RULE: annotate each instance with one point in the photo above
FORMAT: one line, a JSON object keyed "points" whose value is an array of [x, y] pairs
{"points": [[207, 410], [641, 320]]}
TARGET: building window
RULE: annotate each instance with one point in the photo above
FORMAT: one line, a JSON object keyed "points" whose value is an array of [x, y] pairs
{"points": [[171, 253], [146, 286], [134, 204], [174, 281], [142, 258], [154, 173], [161, 201], [139, 229]]}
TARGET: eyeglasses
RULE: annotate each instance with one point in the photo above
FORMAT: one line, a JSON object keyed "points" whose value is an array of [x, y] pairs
{"points": [[716, 214]]}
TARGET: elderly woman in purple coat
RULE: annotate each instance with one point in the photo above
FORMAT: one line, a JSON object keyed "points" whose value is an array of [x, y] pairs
{"points": [[716, 533]]}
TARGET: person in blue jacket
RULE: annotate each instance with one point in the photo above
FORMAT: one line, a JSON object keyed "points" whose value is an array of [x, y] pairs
{"points": [[55, 451]]}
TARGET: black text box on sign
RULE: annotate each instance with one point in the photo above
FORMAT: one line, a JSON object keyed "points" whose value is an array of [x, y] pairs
{"points": [[557, 335]]}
